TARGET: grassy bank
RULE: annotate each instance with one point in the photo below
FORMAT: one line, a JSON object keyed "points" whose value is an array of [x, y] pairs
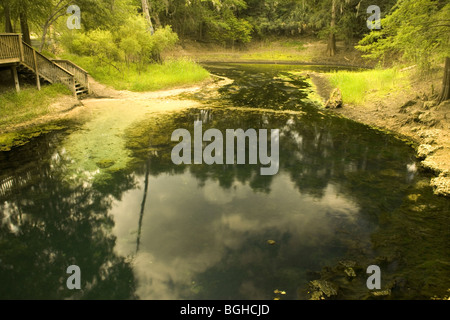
{"points": [[307, 50], [121, 76], [359, 87], [23, 113], [405, 104], [28, 104]]}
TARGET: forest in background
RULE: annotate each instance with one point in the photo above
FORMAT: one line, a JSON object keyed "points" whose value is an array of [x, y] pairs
{"points": [[133, 33]]}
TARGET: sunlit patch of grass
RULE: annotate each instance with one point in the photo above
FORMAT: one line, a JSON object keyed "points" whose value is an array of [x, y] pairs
{"points": [[138, 78], [276, 55], [296, 44], [357, 87], [170, 74], [28, 104]]}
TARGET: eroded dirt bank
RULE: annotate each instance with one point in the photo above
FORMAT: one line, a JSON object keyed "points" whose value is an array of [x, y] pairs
{"points": [[412, 113]]}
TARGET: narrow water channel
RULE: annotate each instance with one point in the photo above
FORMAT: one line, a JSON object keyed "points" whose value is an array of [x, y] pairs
{"points": [[345, 196]]}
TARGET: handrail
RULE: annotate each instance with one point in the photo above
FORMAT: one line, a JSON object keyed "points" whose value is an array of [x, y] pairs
{"points": [[81, 75], [50, 70], [71, 63], [63, 71], [44, 58]]}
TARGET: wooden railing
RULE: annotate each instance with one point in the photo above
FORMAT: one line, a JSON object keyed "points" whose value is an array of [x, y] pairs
{"points": [[81, 75], [12, 48], [49, 70]]}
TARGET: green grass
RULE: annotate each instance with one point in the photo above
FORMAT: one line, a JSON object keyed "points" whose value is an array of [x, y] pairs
{"points": [[296, 44], [286, 50], [357, 87], [28, 104], [276, 55], [170, 74]]}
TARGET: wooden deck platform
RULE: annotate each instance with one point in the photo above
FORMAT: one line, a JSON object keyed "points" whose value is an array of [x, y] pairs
{"points": [[4, 62]]}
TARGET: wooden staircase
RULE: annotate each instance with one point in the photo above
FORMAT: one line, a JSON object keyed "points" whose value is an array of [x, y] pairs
{"points": [[29, 63]]}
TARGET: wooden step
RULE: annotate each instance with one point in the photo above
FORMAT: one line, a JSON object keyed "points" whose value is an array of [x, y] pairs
{"points": [[80, 90]]}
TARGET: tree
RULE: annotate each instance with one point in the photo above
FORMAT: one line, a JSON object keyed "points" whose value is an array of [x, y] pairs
{"points": [[18, 10], [225, 26], [146, 12], [130, 43], [331, 47], [56, 9], [7, 14], [415, 30], [445, 94], [24, 25]]}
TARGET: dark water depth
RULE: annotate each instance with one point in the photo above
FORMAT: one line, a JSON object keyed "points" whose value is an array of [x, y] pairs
{"points": [[345, 196]]}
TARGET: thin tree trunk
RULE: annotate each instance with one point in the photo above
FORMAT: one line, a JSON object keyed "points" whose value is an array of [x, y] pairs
{"points": [[24, 27], [44, 36], [445, 94], [331, 48], [146, 12], [8, 25], [59, 10], [157, 20]]}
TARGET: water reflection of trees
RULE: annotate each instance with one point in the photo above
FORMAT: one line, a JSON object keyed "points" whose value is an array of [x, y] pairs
{"points": [[50, 223], [315, 149], [281, 91]]}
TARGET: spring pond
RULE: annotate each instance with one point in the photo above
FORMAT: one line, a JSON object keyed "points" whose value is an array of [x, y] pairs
{"points": [[139, 227]]}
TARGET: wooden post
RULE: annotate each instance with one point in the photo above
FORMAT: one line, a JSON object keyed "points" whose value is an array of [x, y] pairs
{"points": [[16, 78], [38, 81], [74, 88], [87, 83], [21, 48]]}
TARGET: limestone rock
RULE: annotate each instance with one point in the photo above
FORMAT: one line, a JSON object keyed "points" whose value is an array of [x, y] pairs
{"points": [[441, 184], [424, 150], [335, 100]]}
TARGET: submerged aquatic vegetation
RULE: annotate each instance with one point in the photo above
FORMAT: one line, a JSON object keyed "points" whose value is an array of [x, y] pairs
{"points": [[101, 145], [11, 140]]}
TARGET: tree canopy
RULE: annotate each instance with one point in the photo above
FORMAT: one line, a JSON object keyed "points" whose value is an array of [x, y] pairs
{"points": [[412, 30], [415, 30]]}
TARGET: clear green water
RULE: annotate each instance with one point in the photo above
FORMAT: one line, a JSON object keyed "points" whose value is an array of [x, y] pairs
{"points": [[153, 230]]}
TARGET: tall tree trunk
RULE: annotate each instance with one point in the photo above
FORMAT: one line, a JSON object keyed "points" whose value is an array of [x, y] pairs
{"points": [[331, 48], [8, 25], [146, 12], [445, 94], [24, 27], [44, 36], [58, 11]]}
